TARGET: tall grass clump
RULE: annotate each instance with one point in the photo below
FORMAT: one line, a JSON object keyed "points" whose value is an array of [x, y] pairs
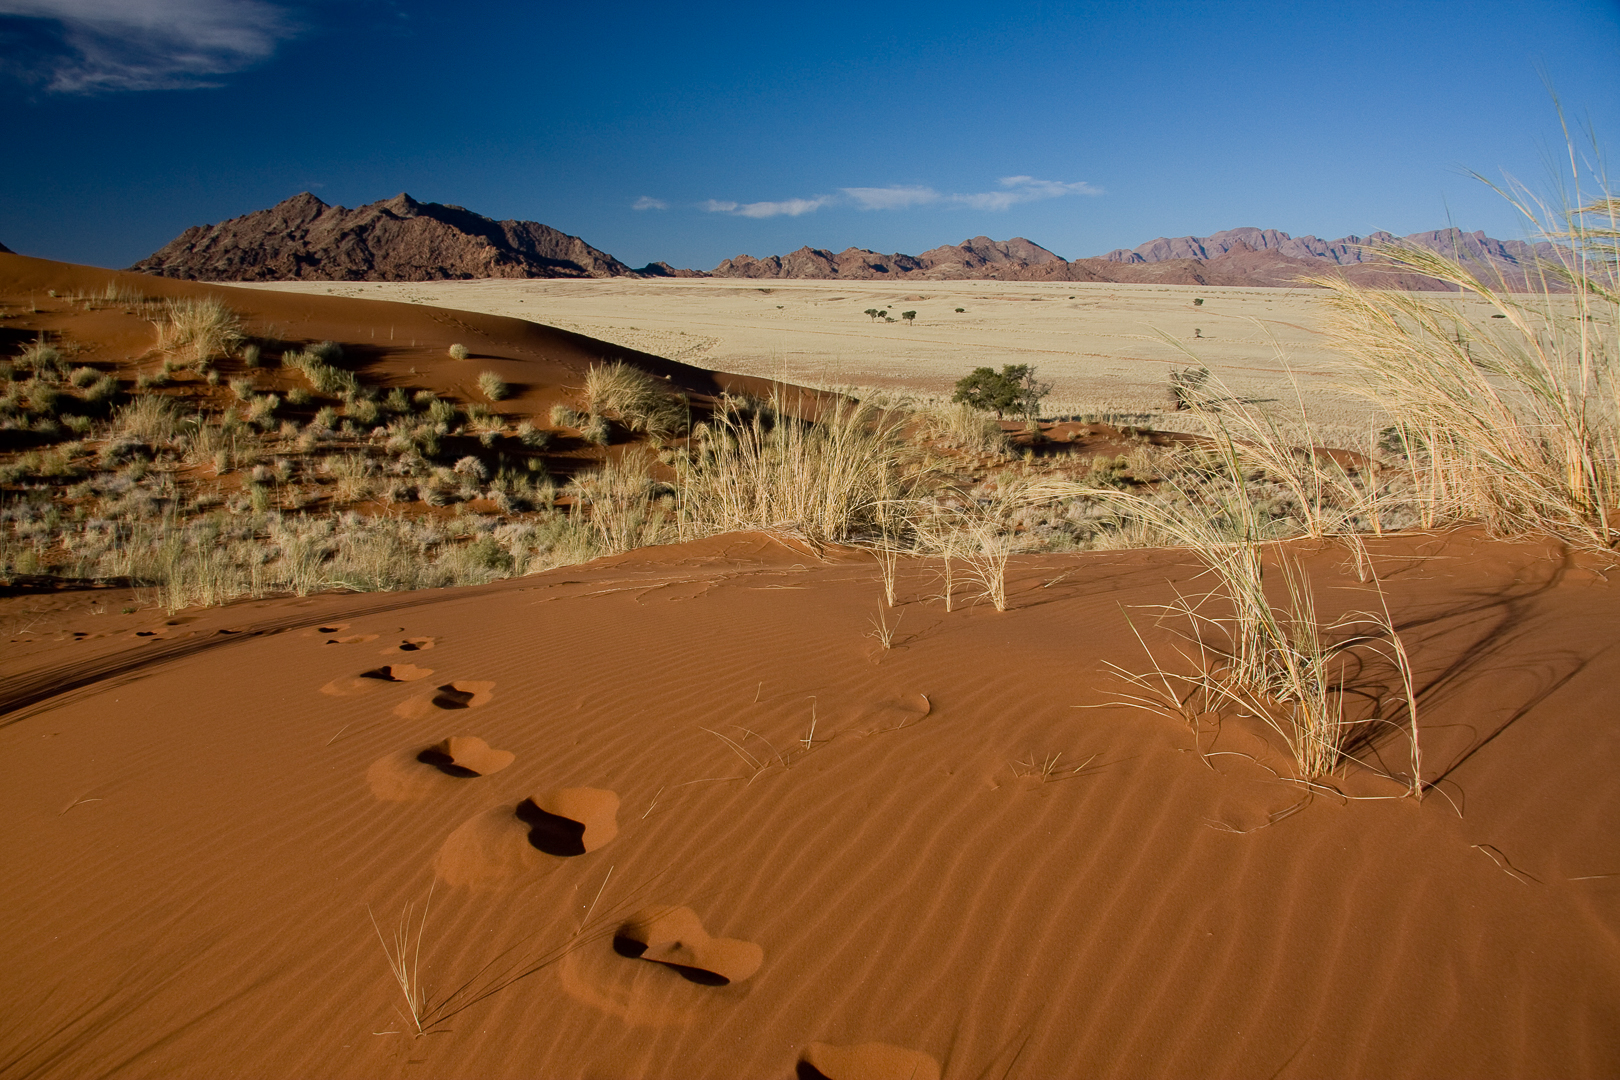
{"points": [[1515, 418], [640, 401], [203, 328], [765, 467], [1257, 649]]}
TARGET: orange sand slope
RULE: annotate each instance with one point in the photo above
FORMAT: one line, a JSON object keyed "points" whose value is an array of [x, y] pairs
{"points": [[391, 342], [692, 820]]}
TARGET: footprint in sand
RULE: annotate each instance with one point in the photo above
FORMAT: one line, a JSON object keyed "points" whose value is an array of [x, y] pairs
{"points": [[571, 821], [675, 938], [504, 843], [466, 756], [413, 644], [460, 694], [370, 680], [415, 774], [866, 1061]]}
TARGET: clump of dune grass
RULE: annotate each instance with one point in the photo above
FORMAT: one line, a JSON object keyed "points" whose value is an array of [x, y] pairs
{"points": [[1515, 417], [199, 328], [764, 466], [405, 959], [149, 417], [459, 351], [962, 427], [627, 508], [1274, 661], [493, 386], [637, 399]]}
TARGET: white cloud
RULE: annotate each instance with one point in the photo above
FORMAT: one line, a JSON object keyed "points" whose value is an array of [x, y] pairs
{"points": [[646, 202], [1014, 190], [112, 45], [788, 207], [891, 198], [1022, 189]]}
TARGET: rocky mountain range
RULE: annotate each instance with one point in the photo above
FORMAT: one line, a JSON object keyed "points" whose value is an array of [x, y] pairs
{"points": [[397, 239], [400, 239], [1346, 251]]}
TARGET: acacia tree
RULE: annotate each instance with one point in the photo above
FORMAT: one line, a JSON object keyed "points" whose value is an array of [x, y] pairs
{"points": [[1013, 387]]}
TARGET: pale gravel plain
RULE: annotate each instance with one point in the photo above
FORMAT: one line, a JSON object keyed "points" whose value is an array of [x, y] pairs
{"points": [[1102, 346]]}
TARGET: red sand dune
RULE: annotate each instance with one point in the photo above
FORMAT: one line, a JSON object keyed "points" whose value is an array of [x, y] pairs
{"points": [[844, 858]]}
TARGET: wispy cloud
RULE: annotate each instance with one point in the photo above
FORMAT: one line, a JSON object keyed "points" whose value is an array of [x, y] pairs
{"points": [[647, 202], [788, 207], [1022, 189], [1014, 190], [116, 45], [891, 198]]}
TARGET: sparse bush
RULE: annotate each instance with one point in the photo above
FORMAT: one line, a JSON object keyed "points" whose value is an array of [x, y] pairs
{"points": [[459, 351], [493, 386], [82, 377], [299, 397], [243, 389], [397, 401], [440, 411], [566, 416], [251, 355], [363, 411], [473, 467]]}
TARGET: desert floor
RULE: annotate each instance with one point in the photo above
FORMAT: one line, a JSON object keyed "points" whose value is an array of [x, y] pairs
{"points": [[1098, 344], [959, 848], [679, 812]]}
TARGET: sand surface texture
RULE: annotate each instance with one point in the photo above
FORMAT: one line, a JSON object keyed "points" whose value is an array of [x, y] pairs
{"points": [[1099, 344], [679, 815]]}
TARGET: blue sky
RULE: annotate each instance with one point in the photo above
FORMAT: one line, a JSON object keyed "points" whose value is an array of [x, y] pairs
{"points": [[691, 133]]}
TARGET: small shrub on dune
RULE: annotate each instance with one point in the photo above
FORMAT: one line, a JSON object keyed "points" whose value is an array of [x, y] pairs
{"points": [[243, 389], [459, 351], [82, 377], [251, 355], [566, 416], [397, 402], [493, 386], [532, 437]]}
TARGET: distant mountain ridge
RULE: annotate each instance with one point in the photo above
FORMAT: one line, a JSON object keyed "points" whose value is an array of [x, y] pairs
{"points": [[1235, 257], [1346, 251], [400, 239], [396, 239]]}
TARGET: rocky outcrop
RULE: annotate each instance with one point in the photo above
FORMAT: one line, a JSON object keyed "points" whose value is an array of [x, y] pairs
{"points": [[398, 239]]}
